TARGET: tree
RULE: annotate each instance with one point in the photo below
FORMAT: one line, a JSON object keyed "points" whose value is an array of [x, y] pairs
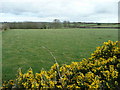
{"points": [[5, 26], [57, 23], [98, 23], [66, 23]]}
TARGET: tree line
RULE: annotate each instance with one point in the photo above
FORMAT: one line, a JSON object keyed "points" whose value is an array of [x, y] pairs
{"points": [[56, 24]]}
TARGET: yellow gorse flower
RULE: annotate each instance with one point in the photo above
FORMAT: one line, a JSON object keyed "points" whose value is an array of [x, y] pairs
{"points": [[101, 70]]}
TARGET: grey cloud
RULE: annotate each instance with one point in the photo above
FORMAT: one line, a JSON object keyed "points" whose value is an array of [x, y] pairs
{"points": [[77, 10]]}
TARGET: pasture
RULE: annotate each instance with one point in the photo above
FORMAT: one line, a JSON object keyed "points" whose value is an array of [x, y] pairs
{"points": [[26, 48]]}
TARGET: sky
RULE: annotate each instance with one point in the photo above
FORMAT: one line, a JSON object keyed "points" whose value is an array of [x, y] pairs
{"points": [[103, 11]]}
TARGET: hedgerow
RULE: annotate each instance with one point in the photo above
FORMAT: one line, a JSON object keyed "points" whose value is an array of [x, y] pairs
{"points": [[100, 71]]}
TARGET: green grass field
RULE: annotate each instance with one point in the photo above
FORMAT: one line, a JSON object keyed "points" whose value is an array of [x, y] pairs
{"points": [[101, 25], [96, 25], [25, 48]]}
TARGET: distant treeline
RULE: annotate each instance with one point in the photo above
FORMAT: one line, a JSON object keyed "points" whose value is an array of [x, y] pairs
{"points": [[36, 25], [56, 24]]}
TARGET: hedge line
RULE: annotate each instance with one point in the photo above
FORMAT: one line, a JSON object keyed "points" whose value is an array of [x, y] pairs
{"points": [[101, 71]]}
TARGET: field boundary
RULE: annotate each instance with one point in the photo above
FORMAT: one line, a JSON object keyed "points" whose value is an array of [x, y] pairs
{"points": [[98, 27]]}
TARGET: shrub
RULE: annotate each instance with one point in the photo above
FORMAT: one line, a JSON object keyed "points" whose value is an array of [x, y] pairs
{"points": [[5, 26], [101, 71]]}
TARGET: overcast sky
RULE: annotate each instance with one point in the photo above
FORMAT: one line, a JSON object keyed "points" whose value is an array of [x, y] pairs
{"points": [[47, 10]]}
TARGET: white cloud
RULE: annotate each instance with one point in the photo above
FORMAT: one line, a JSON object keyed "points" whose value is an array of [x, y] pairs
{"points": [[47, 10]]}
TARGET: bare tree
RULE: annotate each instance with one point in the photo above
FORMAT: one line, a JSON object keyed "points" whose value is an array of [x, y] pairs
{"points": [[57, 23]]}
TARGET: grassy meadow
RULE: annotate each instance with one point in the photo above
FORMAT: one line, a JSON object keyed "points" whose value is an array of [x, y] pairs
{"points": [[26, 48]]}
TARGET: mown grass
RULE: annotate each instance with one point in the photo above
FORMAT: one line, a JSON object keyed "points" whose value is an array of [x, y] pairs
{"points": [[25, 47]]}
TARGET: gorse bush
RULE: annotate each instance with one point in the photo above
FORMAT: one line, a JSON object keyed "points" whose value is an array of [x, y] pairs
{"points": [[101, 71]]}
